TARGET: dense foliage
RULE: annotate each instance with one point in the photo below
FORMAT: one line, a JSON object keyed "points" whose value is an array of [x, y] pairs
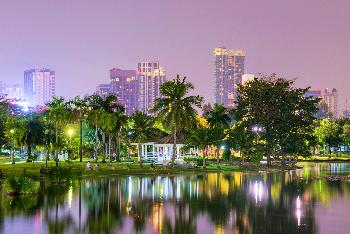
{"points": [[271, 119]]}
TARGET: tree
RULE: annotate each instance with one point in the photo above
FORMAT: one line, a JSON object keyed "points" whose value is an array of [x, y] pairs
{"points": [[79, 108], [34, 134], [141, 129], [326, 132], [201, 138], [4, 113], [119, 122], [58, 115], [99, 107], [280, 109], [346, 133], [15, 132], [219, 120], [176, 108], [241, 138]]}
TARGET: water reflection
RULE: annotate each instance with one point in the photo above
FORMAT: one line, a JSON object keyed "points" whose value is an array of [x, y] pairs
{"points": [[290, 202]]}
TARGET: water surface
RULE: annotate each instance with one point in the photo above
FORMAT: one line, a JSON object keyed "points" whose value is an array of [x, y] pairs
{"points": [[301, 201]]}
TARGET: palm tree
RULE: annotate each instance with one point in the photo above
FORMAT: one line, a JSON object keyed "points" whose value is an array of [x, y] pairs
{"points": [[57, 115], [142, 128], [101, 107], [94, 114], [176, 107], [78, 108], [119, 120], [49, 134]]}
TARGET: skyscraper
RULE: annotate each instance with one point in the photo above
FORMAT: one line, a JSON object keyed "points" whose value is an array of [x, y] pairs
{"points": [[330, 99], [39, 86], [135, 89], [124, 84], [151, 76], [228, 71]]}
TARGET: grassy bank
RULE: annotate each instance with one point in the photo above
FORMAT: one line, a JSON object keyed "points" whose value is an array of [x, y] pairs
{"points": [[104, 169], [326, 158]]}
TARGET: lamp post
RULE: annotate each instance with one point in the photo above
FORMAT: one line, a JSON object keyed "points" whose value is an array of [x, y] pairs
{"points": [[12, 131]]}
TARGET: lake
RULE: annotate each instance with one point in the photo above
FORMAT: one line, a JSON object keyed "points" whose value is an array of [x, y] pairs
{"points": [[301, 201]]}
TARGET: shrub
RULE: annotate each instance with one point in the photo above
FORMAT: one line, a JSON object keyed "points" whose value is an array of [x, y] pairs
{"points": [[197, 160], [20, 185], [60, 175]]}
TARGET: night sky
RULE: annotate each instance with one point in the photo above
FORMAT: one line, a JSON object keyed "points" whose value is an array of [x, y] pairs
{"points": [[82, 39]]}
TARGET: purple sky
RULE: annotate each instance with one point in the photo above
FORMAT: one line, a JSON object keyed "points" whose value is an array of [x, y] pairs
{"points": [[82, 39]]}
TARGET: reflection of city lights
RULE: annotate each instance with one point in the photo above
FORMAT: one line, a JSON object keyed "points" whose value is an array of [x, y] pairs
{"points": [[129, 189], [298, 211], [70, 196], [258, 191], [178, 190]]}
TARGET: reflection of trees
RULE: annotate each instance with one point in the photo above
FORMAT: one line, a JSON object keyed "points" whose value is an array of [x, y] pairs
{"points": [[104, 211], [281, 203]]}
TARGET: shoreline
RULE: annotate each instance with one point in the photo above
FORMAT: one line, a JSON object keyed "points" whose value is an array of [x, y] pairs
{"points": [[79, 170]]}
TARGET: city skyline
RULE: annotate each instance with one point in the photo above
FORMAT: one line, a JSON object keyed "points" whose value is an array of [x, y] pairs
{"points": [[82, 50]]}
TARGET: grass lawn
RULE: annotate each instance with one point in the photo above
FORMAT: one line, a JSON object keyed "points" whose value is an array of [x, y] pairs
{"points": [[323, 158], [120, 168]]}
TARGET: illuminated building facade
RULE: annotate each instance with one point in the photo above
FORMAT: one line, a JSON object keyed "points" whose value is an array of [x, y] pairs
{"points": [[103, 90], [313, 94], [135, 89], [39, 86], [151, 76], [228, 71], [330, 99], [124, 85], [14, 91]]}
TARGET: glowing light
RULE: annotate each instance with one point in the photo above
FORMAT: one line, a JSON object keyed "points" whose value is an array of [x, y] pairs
{"points": [[70, 132], [298, 212], [70, 197]]}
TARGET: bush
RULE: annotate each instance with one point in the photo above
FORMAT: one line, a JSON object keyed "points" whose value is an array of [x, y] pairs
{"points": [[197, 160], [20, 185], [60, 175]]}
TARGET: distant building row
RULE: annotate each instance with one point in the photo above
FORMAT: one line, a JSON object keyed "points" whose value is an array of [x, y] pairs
{"points": [[329, 102], [38, 89], [135, 89]]}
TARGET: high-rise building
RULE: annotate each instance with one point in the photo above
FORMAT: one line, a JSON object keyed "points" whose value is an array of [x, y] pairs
{"points": [[313, 94], [330, 99], [12, 91], [39, 86], [151, 76], [135, 89], [228, 71], [124, 84], [103, 90]]}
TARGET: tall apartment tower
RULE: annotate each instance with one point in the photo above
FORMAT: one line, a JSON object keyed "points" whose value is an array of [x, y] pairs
{"points": [[124, 84], [330, 98], [39, 86], [228, 71], [151, 76]]}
